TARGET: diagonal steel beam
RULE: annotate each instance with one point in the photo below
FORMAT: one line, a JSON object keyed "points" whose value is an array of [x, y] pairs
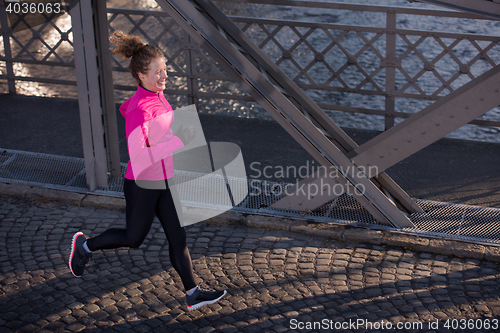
{"points": [[432, 123], [202, 23]]}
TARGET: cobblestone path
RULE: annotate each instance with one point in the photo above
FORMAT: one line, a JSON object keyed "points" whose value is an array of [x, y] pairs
{"points": [[277, 281]]}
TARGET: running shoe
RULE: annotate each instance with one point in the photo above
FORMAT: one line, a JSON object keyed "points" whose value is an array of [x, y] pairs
{"points": [[78, 257], [201, 297]]}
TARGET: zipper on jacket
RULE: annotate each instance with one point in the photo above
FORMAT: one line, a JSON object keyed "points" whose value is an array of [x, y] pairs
{"points": [[162, 102]]}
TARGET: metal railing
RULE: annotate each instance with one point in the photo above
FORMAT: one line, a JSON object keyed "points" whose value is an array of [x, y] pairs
{"points": [[441, 220], [392, 68]]}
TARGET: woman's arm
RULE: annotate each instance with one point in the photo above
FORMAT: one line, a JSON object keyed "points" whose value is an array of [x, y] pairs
{"points": [[151, 142]]}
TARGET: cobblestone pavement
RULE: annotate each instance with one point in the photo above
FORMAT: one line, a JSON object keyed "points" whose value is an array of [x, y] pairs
{"points": [[277, 281]]}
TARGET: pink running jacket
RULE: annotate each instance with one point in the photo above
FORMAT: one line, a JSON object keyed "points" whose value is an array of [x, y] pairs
{"points": [[150, 141]]}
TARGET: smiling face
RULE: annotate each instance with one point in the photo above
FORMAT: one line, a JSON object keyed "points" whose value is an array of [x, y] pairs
{"points": [[154, 78]]}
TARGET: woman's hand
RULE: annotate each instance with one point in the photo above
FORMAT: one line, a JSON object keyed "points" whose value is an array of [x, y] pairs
{"points": [[186, 134]]}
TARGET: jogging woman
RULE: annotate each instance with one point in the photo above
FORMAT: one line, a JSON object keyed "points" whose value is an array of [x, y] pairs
{"points": [[148, 109]]}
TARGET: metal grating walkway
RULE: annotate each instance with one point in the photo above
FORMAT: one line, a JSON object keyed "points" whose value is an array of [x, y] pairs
{"points": [[440, 220]]}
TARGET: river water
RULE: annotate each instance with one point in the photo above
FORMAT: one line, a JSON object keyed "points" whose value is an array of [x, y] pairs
{"points": [[429, 49]]}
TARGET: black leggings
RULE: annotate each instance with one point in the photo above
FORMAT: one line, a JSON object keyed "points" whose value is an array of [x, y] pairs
{"points": [[141, 206]]}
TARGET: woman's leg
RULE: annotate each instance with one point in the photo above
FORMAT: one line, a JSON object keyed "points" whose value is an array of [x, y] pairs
{"points": [[176, 236], [140, 209], [179, 254]]}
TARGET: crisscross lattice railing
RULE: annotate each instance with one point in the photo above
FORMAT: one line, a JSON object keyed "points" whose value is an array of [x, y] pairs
{"points": [[330, 57], [34, 46], [303, 59], [375, 70], [415, 77], [317, 58]]}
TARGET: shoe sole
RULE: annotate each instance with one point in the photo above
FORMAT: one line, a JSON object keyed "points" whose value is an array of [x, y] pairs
{"points": [[196, 306], [73, 248]]}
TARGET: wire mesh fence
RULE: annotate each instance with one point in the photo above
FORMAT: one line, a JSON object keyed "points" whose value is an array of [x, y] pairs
{"points": [[443, 220]]}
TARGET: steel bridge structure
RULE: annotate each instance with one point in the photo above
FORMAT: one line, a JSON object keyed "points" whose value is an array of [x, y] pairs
{"points": [[249, 53]]}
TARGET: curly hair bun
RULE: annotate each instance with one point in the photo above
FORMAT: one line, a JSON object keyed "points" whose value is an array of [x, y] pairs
{"points": [[126, 45], [142, 54]]}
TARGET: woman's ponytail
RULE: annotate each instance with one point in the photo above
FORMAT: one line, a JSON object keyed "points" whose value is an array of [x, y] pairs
{"points": [[129, 46], [126, 45]]}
